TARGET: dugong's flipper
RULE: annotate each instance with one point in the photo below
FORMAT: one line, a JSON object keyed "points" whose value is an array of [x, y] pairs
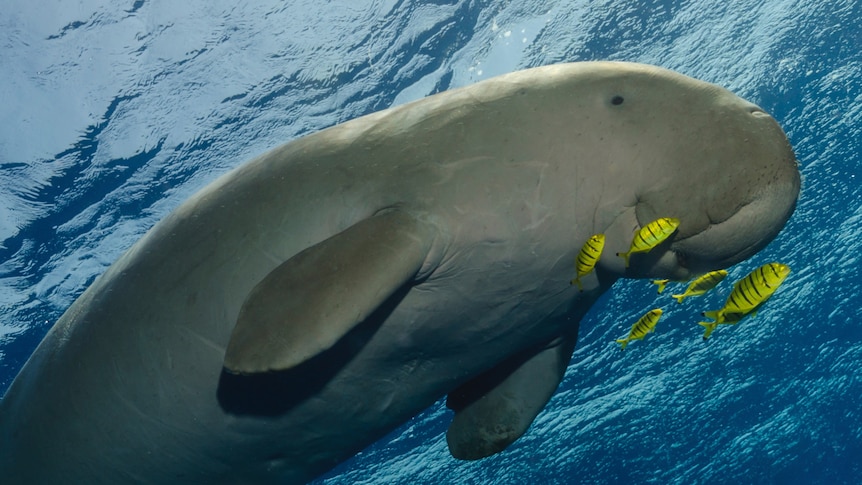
{"points": [[495, 409], [306, 304]]}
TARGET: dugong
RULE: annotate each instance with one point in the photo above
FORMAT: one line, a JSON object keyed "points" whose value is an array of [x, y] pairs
{"points": [[313, 299]]}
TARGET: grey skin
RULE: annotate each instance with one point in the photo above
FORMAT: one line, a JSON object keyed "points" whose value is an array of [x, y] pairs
{"points": [[315, 298]]}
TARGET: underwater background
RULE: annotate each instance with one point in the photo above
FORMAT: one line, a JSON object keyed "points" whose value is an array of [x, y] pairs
{"points": [[114, 112]]}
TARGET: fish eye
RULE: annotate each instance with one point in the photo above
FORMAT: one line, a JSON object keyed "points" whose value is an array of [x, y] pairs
{"points": [[617, 100]]}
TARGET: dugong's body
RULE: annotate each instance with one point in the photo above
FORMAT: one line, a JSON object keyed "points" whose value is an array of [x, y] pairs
{"points": [[313, 299]]}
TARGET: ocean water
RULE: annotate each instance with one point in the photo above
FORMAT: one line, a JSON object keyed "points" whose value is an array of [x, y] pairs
{"points": [[113, 112]]}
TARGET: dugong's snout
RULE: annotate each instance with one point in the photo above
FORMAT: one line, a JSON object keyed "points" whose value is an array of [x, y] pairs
{"points": [[763, 188], [733, 191]]}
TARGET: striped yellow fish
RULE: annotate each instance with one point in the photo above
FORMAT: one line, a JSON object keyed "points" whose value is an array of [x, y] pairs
{"points": [[750, 292], [702, 284], [588, 257], [651, 236], [643, 326], [661, 284]]}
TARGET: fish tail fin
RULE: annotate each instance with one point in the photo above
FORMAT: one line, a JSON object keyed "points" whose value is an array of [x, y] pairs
{"points": [[716, 315], [625, 256], [623, 342], [709, 326], [577, 281], [661, 285], [679, 298]]}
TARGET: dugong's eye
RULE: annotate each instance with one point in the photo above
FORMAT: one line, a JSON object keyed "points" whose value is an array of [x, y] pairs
{"points": [[617, 100]]}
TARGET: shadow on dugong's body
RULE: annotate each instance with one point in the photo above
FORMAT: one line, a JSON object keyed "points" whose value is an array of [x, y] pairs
{"points": [[310, 301]]}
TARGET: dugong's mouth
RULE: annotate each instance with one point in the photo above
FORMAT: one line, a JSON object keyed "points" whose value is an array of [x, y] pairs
{"points": [[691, 263], [722, 244], [691, 257], [703, 244]]}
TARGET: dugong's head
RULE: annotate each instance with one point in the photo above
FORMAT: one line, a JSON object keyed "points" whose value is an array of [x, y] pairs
{"points": [[699, 153]]}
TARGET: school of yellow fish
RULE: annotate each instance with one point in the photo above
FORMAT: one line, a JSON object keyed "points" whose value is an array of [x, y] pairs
{"points": [[746, 298]]}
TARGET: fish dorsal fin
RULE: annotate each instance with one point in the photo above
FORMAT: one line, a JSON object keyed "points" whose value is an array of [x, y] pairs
{"points": [[496, 408], [309, 302]]}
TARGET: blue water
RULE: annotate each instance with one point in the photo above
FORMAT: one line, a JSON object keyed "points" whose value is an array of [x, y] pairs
{"points": [[112, 113]]}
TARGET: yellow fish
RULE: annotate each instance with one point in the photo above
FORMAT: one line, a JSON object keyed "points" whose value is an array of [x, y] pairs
{"points": [[702, 284], [750, 292], [651, 236], [661, 284], [643, 326], [588, 257]]}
